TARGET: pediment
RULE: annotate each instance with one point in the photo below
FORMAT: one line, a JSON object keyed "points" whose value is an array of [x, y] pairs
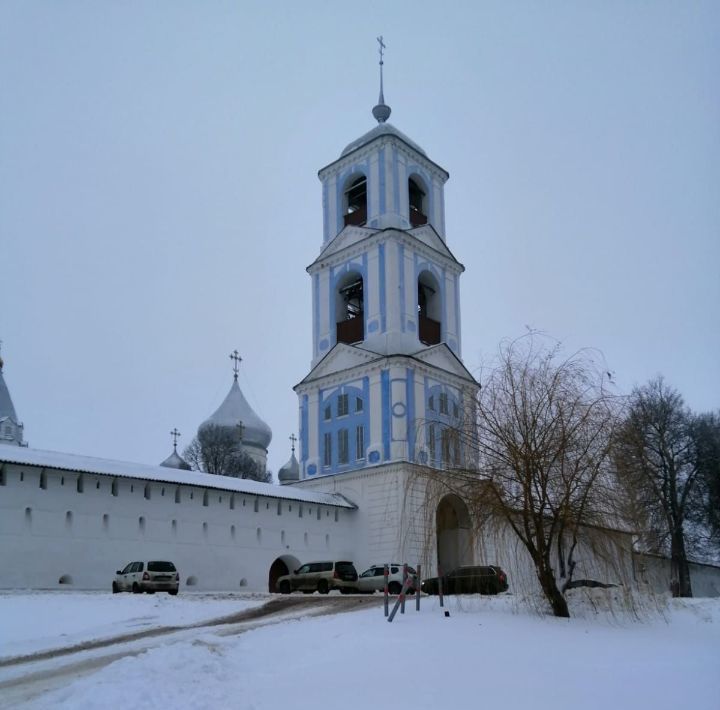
{"points": [[443, 358], [430, 238], [342, 357], [346, 238]]}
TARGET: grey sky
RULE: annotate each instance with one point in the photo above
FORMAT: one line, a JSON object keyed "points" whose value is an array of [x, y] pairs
{"points": [[159, 199]]}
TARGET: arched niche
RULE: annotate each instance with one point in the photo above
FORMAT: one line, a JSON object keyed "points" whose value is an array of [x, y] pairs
{"points": [[454, 534]]}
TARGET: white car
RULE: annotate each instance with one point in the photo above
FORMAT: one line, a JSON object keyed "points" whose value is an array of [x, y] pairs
{"points": [[373, 579], [150, 577]]}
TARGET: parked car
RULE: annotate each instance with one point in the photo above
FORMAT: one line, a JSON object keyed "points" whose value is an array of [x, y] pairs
{"points": [[153, 576], [373, 579], [469, 579], [321, 577]]}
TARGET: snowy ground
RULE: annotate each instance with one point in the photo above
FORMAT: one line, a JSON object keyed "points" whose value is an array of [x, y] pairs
{"points": [[488, 652]]}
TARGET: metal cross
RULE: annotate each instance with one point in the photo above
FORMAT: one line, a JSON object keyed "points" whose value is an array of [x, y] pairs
{"points": [[381, 48], [293, 438], [237, 360], [175, 434]]}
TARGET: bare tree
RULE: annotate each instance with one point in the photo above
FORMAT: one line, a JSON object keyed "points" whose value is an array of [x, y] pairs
{"points": [[217, 449], [657, 461], [541, 442]]}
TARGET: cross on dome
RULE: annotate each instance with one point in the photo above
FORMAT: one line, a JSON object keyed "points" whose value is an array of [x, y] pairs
{"points": [[236, 362], [175, 434], [382, 110]]}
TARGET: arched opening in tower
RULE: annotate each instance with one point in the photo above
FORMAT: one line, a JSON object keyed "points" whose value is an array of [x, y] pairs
{"points": [[356, 202], [454, 534], [429, 309], [350, 309], [416, 198]]}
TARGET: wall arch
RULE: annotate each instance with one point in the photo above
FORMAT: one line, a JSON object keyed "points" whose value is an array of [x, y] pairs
{"points": [[282, 565]]}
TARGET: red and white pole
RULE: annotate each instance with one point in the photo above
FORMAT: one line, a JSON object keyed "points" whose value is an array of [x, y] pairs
{"points": [[386, 573]]}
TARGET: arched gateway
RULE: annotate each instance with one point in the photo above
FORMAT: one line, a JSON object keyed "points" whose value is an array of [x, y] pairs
{"points": [[282, 565], [454, 534]]}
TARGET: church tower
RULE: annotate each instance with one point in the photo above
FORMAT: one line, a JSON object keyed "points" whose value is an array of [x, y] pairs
{"points": [[11, 430], [386, 383]]}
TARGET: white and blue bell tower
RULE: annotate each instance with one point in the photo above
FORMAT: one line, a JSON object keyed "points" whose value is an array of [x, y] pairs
{"points": [[386, 381]]}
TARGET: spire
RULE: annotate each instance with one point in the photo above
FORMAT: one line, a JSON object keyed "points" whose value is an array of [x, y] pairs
{"points": [[382, 110], [11, 430]]}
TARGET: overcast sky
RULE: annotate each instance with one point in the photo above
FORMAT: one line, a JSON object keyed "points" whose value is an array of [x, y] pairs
{"points": [[159, 199]]}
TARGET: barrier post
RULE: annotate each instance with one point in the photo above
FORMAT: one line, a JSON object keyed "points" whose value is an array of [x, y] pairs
{"points": [[418, 582], [440, 589], [399, 600], [386, 572], [404, 586]]}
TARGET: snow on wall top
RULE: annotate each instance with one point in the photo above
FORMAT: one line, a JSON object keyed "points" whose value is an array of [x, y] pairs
{"points": [[123, 469]]}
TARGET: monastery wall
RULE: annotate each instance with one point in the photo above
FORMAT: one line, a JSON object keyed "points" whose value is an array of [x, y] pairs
{"points": [[59, 527]]}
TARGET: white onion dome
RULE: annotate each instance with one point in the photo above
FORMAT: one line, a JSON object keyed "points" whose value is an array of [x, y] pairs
{"points": [[176, 461], [235, 410], [290, 472]]}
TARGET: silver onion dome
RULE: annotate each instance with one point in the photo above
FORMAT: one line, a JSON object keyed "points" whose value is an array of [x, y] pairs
{"points": [[290, 472], [235, 411], [176, 461]]}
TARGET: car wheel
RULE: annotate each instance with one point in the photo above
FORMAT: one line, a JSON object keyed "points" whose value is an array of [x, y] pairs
{"points": [[323, 587], [173, 592], [136, 589], [150, 591], [285, 587], [115, 588], [394, 588]]}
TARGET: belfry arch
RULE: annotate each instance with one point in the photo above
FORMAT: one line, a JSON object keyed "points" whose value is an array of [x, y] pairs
{"points": [[454, 534]]}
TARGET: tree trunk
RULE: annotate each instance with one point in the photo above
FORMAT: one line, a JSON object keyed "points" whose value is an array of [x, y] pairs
{"points": [[679, 568], [551, 591]]}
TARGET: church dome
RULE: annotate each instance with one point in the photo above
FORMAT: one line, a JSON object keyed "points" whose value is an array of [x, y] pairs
{"points": [[290, 472], [382, 129], [235, 410], [176, 461]]}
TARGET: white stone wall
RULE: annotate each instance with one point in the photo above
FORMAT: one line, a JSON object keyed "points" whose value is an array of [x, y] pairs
{"points": [[224, 541]]}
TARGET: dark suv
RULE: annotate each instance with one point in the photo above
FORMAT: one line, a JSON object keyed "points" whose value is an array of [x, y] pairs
{"points": [[320, 577], [469, 580]]}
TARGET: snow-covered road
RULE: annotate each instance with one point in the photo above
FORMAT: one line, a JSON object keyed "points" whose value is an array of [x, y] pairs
{"points": [[487, 651]]}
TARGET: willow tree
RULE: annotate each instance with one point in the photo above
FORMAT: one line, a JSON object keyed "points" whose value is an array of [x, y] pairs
{"points": [[542, 438]]}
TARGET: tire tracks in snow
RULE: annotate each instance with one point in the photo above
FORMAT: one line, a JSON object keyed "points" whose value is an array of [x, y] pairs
{"points": [[29, 676]]}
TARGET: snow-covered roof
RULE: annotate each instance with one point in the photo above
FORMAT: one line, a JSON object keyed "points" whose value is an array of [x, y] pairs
{"points": [[124, 469]]}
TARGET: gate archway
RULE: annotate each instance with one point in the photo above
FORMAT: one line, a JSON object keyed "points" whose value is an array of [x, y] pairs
{"points": [[454, 534], [282, 565]]}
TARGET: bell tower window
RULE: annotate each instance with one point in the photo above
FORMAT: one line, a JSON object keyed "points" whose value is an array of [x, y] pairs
{"points": [[350, 310], [356, 202], [429, 309], [417, 199]]}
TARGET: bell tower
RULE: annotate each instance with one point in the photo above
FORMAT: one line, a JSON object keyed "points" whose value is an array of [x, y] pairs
{"points": [[386, 381]]}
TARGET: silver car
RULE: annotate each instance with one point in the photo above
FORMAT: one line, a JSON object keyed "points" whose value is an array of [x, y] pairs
{"points": [[373, 580], [153, 576]]}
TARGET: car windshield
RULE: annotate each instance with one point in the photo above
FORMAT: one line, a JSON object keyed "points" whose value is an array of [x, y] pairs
{"points": [[161, 567]]}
